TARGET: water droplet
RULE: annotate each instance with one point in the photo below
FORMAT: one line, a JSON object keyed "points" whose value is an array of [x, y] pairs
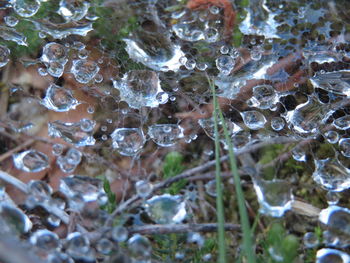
{"points": [[26, 8], [57, 149], [190, 64], [11, 21], [39, 193], [342, 123], [275, 197], [225, 64], [277, 123], [329, 255], [54, 52], [332, 136], [196, 238], [211, 34], [210, 188], [31, 161], [166, 209], [332, 198], [165, 135], [45, 239], [4, 55], [264, 97], [10, 34], [119, 233], [298, 154], [72, 132], [128, 141], [344, 145], [104, 246], [84, 70], [254, 120], [59, 99], [70, 161], [140, 88], [73, 10], [59, 257], [331, 174], [78, 247], [143, 188], [310, 240], [139, 247], [14, 221]]}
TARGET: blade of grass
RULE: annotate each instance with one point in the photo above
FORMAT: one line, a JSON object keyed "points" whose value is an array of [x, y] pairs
{"points": [[219, 198], [247, 237]]}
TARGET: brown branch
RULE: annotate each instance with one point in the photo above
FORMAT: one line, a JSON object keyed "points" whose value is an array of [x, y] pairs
{"points": [[179, 228]]}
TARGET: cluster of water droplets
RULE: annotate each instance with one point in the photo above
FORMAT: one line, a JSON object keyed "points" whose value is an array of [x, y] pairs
{"points": [[282, 81]]}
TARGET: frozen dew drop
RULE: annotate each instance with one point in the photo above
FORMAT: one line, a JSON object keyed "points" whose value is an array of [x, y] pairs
{"points": [[166, 209], [70, 161], [9, 33], [14, 221], [42, 72], [90, 189], [53, 221], [73, 10], [332, 136], [298, 154], [128, 141], [277, 123], [225, 64], [45, 239], [57, 149], [332, 198], [54, 52], [344, 145], [211, 34], [330, 255], [275, 197], [190, 64], [224, 49], [84, 70], [331, 174], [11, 21], [31, 161], [72, 132], [39, 193], [210, 188], [207, 257], [201, 66], [26, 8], [90, 110], [194, 237], [141, 88], [78, 247], [4, 55], [183, 60], [310, 240], [119, 234], [139, 247], [264, 97], [165, 135], [104, 137], [104, 246], [342, 123], [256, 53], [59, 99], [254, 120], [59, 257], [98, 78], [55, 69], [83, 54], [143, 188], [214, 9]]}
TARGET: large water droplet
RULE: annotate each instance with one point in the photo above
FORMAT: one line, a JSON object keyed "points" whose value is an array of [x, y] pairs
{"points": [[275, 197], [264, 97], [254, 120], [73, 10], [140, 248], [31, 161], [59, 99], [26, 8], [9, 33], [165, 135], [128, 141], [73, 132], [45, 239], [166, 209], [329, 255], [84, 70], [140, 88], [14, 221]]}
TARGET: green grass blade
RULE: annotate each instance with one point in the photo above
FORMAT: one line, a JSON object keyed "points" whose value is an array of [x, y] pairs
{"points": [[248, 245], [219, 198]]}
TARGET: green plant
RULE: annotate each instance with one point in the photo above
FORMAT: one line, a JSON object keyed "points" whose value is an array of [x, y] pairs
{"points": [[111, 199], [172, 167]]}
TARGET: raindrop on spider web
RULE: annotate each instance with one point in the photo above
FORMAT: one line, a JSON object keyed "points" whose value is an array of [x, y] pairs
{"points": [[165, 135], [59, 99], [128, 141], [31, 161]]}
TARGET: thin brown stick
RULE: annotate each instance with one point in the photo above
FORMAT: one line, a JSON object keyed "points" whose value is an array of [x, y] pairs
{"points": [[179, 228], [16, 149]]}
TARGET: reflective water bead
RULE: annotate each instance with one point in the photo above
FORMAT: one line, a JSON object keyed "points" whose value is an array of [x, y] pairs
{"points": [[143, 188], [14, 221], [194, 237], [54, 52], [166, 209], [344, 145], [119, 233], [254, 120], [277, 123], [139, 247], [190, 64], [4, 56], [31, 161], [59, 257], [329, 255], [42, 72], [84, 70], [45, 239], [310, 240], [57, 149], [26, 8], [104, 246], [59, 99], [165, 135], [225, 64], [264, 97], [211, 34], [55, 69], [73, 10], [11, 21], [332, 198], [128, 141], [332, 136], [298, 154]]}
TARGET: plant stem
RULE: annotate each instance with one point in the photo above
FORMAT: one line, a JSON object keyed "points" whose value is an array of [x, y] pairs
{"points": [[248, 245], [219, 198]]}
